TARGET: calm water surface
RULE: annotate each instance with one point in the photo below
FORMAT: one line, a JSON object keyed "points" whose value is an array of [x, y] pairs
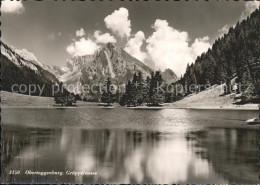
{"points": [[129, 146]]}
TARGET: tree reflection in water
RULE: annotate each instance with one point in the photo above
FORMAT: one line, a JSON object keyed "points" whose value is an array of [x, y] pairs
{"points": [[128, 156], [232, 152]]}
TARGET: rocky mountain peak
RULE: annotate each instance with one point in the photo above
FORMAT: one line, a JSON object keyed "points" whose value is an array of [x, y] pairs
{"points": [[109, 61], [79, 61], [169, 76]]}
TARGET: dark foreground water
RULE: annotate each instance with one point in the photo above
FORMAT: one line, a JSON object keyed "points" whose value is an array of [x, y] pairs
{"points": [[128, 146]]}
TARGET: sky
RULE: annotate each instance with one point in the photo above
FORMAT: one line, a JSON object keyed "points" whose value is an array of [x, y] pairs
{"points": [[161, 34]]}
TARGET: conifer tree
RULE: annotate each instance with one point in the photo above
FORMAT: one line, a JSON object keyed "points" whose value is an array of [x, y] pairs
{"points": [[107, 96], [229, 58], [63, 97], [140, 92]]}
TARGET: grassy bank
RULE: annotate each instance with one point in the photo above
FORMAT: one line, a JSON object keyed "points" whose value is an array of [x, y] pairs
{"points": [[14, 99], [211, 99], [19, 100]]}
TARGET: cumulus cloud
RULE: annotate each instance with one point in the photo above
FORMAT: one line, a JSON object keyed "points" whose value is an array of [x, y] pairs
{"points": [[134, 45], [250, 6], [12, 7], [119, 23], [223, 30], [169, 47], [200, 46], [104, 38], [82, 47], [80, 32]]}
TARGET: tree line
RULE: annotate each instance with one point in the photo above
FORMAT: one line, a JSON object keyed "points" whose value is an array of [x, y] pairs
{"points": [[12, 74], [65, 98], [233, 56], [138, 91]]}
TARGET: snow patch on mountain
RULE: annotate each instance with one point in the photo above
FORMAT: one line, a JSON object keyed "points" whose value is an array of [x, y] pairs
{"points": [[109, 61], [24, 53], [9, 55], [70, 72], [16, 58], [23, 57], [109, 65]]}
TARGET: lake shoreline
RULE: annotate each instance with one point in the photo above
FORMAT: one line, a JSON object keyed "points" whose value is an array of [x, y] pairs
{"points": [[89, 133], [240, 107], [93, 105], [13, 100]]}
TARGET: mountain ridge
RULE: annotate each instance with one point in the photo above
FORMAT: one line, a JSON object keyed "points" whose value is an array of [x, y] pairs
{"points": [[109, 61], [19, 72], [233, 59]]}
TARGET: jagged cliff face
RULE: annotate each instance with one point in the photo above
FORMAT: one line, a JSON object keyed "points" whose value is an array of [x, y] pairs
{"points": [[169, 76], [110, 61]]}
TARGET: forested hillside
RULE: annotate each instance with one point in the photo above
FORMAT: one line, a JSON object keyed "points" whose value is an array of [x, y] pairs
{"points": [[22, 73], [236, 55]]}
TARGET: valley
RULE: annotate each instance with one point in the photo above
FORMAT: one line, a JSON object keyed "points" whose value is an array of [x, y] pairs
{"points": [[203, 100], [232, 60]]}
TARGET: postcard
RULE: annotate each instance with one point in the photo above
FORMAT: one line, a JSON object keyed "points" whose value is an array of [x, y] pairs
{"points": [[130, 92]]}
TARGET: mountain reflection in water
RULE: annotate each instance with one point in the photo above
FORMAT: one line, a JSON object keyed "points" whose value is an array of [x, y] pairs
{"points": [[128, 155]]}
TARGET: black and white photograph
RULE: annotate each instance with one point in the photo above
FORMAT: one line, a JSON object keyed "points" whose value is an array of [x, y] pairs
{"points": [[130, 91]]}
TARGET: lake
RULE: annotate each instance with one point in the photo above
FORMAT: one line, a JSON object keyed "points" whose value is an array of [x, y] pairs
{"points": [[129, 146]]}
